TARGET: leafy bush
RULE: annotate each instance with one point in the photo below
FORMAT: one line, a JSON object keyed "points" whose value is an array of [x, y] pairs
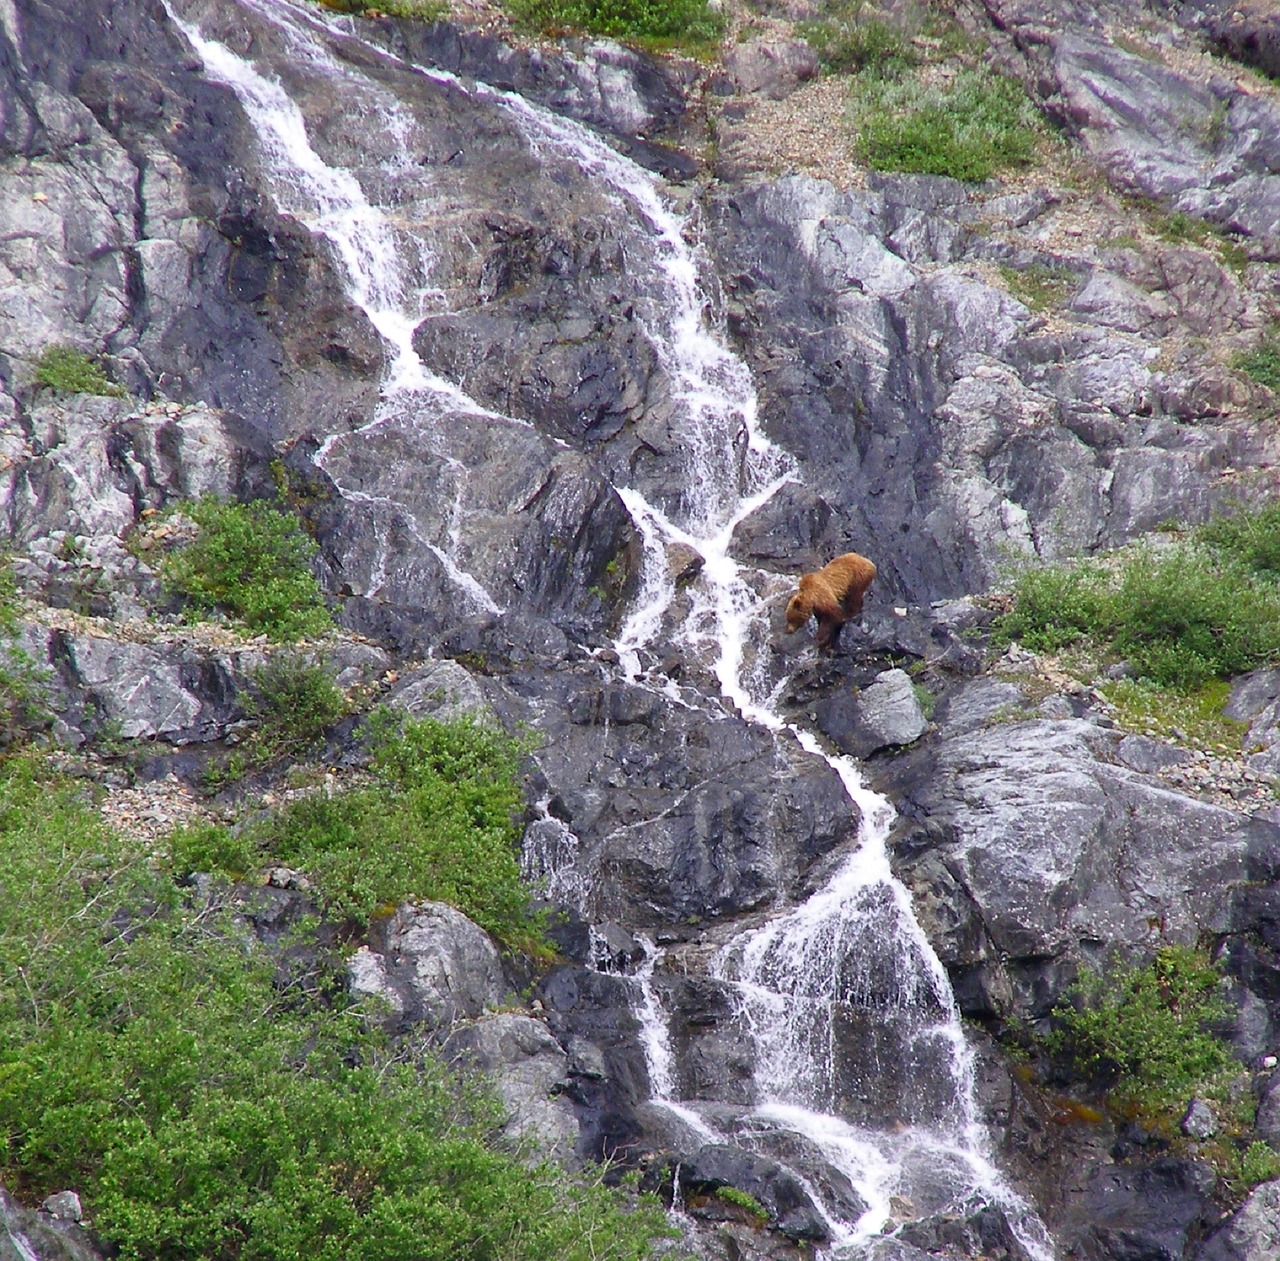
{"points": [[441, 825], [252, 560], [295, 702], [848, 40], [1251, 537], [647, 21], [967, 127], [148, 1059], [23, 711], [71, 371], [1181, 616], [1148, 1032], [1056, 605]]}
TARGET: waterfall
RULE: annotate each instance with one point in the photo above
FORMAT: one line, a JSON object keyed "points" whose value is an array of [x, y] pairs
{"points": [[842, 997]]}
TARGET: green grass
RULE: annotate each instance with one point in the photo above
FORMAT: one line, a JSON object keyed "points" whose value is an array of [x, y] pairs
{"points": [[71, 371], [650, 22], [1039, 286], [440, 823], [153, 1057], [1182, 616], [1194, 716], [968, 127], [1262, 363], [252, 561], [24, 712]]}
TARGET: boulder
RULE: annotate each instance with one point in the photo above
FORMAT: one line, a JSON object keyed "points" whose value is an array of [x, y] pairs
{"points": [[429, 963], [885, 714], [531, 1071], [1253, 1232]]}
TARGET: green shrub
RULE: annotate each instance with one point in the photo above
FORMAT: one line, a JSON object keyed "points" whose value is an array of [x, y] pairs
{"points": [[23, 708], [848, 40], [966, 128], [71, 371], [1182, 616], [1147, 1033], [441, 825], [295, 702], [1251, 537], [1056, 605], [646, 21], [743, 1200], [253, 561], [1262, 363], [149, 1058], [416, 10]]}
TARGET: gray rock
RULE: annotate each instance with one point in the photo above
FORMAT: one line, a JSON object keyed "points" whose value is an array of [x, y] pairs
{"points": [[882, 715], [430, 963], [530, 1070], [26, 1235], [1200, 1120], [1253, 1233], [771, 67], [63, 1205], [1055, 847], [1140, 753], [443, 690], [1267, 1122]]}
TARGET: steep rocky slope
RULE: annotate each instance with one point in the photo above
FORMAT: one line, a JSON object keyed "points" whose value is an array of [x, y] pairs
{"points": [[482, 542]]}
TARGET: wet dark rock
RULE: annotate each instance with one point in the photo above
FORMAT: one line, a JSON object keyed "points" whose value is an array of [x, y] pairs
{"points": [[790, 1209], [1147, 1213]]}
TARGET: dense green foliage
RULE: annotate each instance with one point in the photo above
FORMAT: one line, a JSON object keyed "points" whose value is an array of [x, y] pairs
{"points": [[22, 707], [1252, 538], [149, 1058], [440, 824], [1150, 1036], [645, 21], [967, 127], [1182, 615], [253, 561], [1148, 1032], [294, 701], [71, 371]]}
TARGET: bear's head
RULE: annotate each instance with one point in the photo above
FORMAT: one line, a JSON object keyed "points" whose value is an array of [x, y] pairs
{"points": [[799, 610]]}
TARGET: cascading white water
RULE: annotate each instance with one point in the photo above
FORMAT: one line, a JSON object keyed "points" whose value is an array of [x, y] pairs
{"points": [[849, 973]]}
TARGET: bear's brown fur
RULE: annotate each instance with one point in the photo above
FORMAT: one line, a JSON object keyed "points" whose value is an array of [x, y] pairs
{"points": [[833, 595]]}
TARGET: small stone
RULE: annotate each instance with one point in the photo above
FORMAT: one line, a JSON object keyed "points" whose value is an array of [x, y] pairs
{"points": [[1269, 1061], [64, 1205], [1200, 1120]]}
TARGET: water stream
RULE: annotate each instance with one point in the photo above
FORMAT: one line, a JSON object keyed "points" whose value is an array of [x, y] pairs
{"points": [[861, 1063]]}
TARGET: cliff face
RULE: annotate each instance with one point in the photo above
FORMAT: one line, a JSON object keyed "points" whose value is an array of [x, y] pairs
{"points": [[567, 399]]}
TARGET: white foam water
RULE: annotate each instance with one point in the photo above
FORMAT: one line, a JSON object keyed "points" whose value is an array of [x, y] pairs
{"points": [[837, 995]]}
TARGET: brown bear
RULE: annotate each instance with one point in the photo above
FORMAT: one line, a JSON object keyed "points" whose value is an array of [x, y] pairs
{"points": [[833, 595]]}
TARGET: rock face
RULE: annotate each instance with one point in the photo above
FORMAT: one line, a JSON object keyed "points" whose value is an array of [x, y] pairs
{"points": [[564, 434]]}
